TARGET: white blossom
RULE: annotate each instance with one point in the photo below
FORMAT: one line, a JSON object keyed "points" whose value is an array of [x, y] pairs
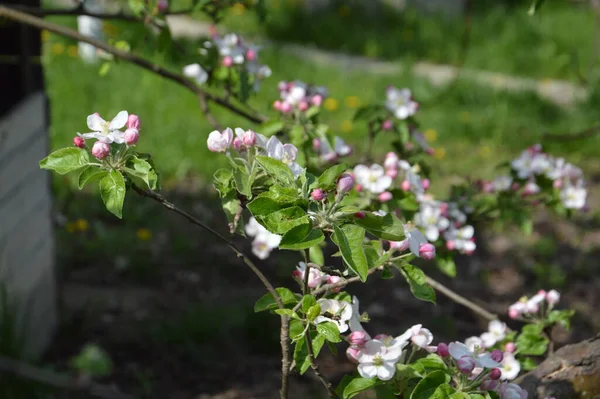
{"points": [[573, 196], [196, 72], [337, 312], [431, 219], [378, 360], [285, 153], [106, 132], [372, 178], [458, 350], [502, 183], [496, 333], [220, 141], [264, 241], [354, 322], [315, 276], [510, 367], [399, 102]]}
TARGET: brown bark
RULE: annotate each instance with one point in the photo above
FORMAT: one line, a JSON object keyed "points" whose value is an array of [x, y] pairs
{"points": [[572, 372]]}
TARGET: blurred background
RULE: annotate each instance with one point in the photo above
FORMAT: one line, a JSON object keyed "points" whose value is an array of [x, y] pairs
{"points": [[171, 307]]}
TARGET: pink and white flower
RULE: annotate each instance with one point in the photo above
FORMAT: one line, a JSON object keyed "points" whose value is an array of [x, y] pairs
{"points": [[286, 153], [106, 132], [337, 312], [458, 350], [400, 103], [372, 178], [220, 141], [510, 367]]}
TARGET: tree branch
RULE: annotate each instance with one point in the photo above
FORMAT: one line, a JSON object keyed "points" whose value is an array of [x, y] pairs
{"points": [[80, 10], [284, 333], [461, 300], [315, 367], [139, 61], [61, 381]]}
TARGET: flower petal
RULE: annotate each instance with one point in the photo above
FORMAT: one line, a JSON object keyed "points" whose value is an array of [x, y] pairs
{"points": [[458, 350], [386, 371], [95, 122], [119, 121]]}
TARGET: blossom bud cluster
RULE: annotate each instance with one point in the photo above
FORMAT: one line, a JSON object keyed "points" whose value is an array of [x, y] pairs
{"points": [[298, 96], [106, 133], [531, 307]]}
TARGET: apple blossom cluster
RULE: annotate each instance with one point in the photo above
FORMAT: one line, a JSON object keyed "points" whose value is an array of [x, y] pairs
{"points": [[533, 165], [415, 241], [298, 96], [106, 133], [400, 102], [315, 276], [535, 307], [264, 241], [247, 139]]}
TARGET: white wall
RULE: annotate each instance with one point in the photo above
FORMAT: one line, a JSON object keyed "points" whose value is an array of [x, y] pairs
{"points": [[26, 238]]}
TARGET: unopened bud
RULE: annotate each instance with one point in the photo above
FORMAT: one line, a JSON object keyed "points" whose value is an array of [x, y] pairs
{"points": [[133, 121], [277, 105], [318, 194], [450, 245], [385, 196], [249, 138], [427, 251], [430, 151], [333, 280], [557, 183], [465, 364], [552, 297], [352, 354], [316, 143], [489, 385], [358, 188], [497, 355], [359, 215], [393, 173], [495, 374], [442, 350], [317, 100], [399, 245], [131, 136], [405, 186], [387, 125], [79, 142], [285, 107], [250, 55], [425, 184], [510, 347], [303, 106], [513, 313], [100, 150], [357, 338], [345, 183], [227, 61], [237, 144]]}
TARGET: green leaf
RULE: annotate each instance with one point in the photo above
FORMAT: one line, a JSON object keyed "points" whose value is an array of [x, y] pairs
{"points": [[374, 259], [406, 371], [385, 392], [276, 169], [313, 312], [287, 312], [330, 331], [92, 361], [426, 388], [104, 68], [271, 127], [308, 301], [66, 160], [242, 181], [535, 5], [315, 253], [330, 177], [562, 317], [139, 171], [232, 207], [367, 112], [267, 301], [112, 191], [418, 285], [388, 227], [90, 174], [447, 392], [296, 330], [447, 266], [358, 385], [301, 355], [349, 239], [527, 363], [310, 240], [222, 180], [431, 362], [531, 344], [282, 221]]}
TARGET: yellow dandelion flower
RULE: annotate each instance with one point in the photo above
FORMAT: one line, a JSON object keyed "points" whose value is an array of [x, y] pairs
{"points": [[439, 153], [238, 9], [81, 225], [352, 102], [430, 135], [72, 51], [58, 48], [45, 36], [331, 104], [465, 117], [344, 10], [144, 234], [71, 227], [346, 126], [485, 151]]}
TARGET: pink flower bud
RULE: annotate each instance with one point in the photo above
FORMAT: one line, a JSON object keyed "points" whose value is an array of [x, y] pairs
{"points": [[489, 385], [465, 364], [297, 274], [427, 251], [497, 355], [131, 136], [399, 245], [249, 138], [393, 173], [100, 150], [510, 347], [237, 144], [557, 183], [430, 151], [163, 6], [359, 215], [285, 107], [514, 313], [277, 105], [450, 245], [352, 354], [282, 86], [303, 106], [515, 186], [227, 61], [250, 55], [316, 143], [318, 194], [495, 374], [96, 113], [333, 280], [317, 100], [385, 196], [358, 188], [345, 183], [425, 183], [387, 125], [405, 186], [357, 338], [79, 142], [442, 350], [552, 297], [133, 121]]}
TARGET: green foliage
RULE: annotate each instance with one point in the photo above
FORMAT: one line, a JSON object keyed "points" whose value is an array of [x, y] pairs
{"points": [[416, 280], [387, 227], [66, 160], [330, 331], [530, 341], [92, 361], [349, 238], [427, 388], [356, 385], [562, 317], [267, 301], [112, 191]]}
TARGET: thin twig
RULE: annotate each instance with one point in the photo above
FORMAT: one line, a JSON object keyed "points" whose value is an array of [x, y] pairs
{"points": [[461, 299], [58, 380], [80, 10], [206, 110], [139, 61], [284, 333], [315, 367]]}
